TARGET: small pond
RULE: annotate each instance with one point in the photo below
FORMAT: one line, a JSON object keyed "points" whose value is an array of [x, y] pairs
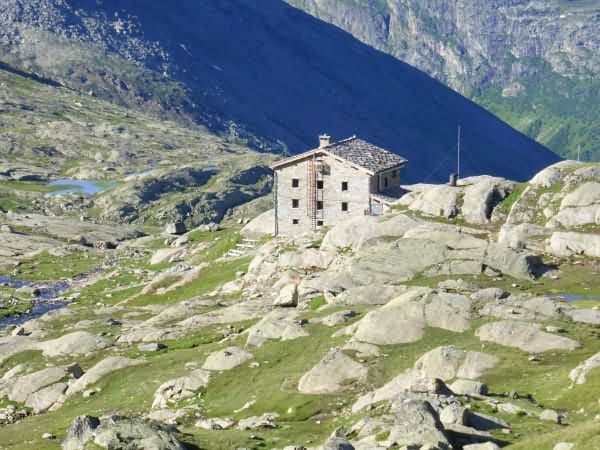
{"points": [[87, 187], [577, 297]]}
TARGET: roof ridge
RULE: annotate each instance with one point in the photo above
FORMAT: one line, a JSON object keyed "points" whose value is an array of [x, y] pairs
{"points": [[343, 141]]}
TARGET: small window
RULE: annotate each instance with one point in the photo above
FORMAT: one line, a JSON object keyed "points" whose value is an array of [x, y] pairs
{"points": [[295, 221], [319, 184], [295, 203], [295, 182], [319, 223], [394, 174], [344, 185], [385, 182], [319, 205], [344, 206]]}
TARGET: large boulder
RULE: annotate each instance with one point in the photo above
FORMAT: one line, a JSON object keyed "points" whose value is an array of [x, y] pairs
{"points": [[276, 325], [117, 432], [580, 207], [355, 232], [571, 243], [332, 374], [77, 343], [404, 319], [180, 388], [98, 371], [525, 336], [410, 381], [449, 362], [481, 195], [578, 374], [168, 255], [523, 235], [261, 225], [417, 425], [433, 200], [288, 296], [21, 388], [226, 359]]}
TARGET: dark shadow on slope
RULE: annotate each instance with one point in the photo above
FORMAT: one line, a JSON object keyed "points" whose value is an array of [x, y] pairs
{"points": [[288, 76]]}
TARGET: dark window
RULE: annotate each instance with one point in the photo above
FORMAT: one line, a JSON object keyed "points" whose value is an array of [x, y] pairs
{"points": [[394, 174], [319, 184], [295, 182], [385, 182], [344, 185], [295, 221], [295, 203], [319, 205], [344, 206], [319, 223]]}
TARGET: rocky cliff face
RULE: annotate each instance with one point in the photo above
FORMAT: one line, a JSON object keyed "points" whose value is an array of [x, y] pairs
{"points": [[268, 75], [500, 52]]}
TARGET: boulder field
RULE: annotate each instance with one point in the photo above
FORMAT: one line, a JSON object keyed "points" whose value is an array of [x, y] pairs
{"points": [[464, 318]]}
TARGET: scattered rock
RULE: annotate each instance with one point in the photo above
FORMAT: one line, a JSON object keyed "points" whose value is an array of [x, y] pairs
{"points": [[175, 228], [483, 446], [338, 318], [337, 443], [267, 420], [564, 446], [468, 387], [578, 374], [151, 347], [489, 294], [551, 416], [215, 423]]}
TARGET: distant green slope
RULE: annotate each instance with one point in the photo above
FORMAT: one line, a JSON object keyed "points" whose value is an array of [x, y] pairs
{"points": [[559, 112]]}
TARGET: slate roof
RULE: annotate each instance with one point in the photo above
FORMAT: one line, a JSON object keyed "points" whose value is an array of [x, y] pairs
{"points": [[357, 151], [364, 154]]}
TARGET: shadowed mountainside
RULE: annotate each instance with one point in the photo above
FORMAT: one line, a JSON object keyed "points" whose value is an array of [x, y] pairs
{"points": [[265, 72]]}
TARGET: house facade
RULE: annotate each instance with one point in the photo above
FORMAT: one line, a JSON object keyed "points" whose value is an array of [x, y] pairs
{"points": [[333, 182]]}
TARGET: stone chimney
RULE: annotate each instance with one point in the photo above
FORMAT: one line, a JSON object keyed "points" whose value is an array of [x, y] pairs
{"points": [[324, 140]]}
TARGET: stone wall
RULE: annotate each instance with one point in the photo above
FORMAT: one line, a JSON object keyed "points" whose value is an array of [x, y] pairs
{"points": [[356, 197]]}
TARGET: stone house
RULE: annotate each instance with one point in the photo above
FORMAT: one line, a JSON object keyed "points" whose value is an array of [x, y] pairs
{"points": [[333, 182]]}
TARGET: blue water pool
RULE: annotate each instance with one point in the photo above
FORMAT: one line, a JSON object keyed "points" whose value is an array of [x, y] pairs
{"points": [[87, 187]]}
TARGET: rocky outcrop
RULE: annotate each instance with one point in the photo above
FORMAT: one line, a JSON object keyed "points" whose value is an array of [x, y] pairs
{"points": [[99, 370], [332, 374], [578, 374], [77, 343], [226, 359], [180, 388], [568, 244], [525, 336], [120, 432], [473, 200], [404, 319]]}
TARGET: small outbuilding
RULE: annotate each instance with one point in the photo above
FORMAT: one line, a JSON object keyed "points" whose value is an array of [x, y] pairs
{"points": [[333, 182]]}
